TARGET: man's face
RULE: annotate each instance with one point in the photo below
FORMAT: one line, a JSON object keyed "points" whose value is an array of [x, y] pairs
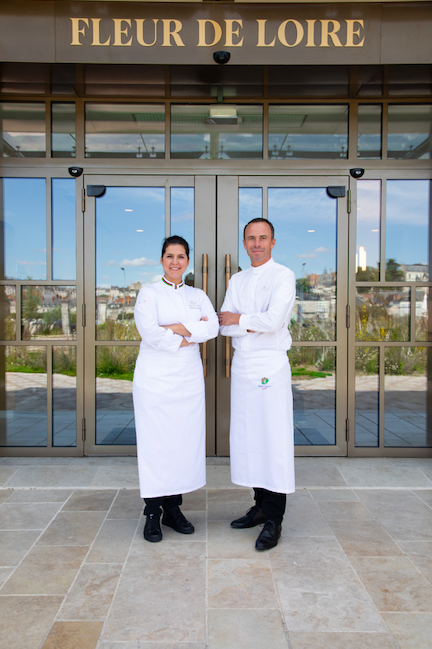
{"points": [[258, 243]]}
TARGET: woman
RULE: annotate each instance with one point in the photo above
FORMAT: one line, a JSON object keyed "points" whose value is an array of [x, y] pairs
{"points": [[168, 391]]}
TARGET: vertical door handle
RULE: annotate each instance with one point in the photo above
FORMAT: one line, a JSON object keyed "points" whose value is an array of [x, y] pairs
{"points": [[227, 340], [205, 288]]}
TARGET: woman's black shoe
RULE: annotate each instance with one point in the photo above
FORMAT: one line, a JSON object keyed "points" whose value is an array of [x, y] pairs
{"points": [[269, 536], [254, 516], [152, 528], [175, 519]]}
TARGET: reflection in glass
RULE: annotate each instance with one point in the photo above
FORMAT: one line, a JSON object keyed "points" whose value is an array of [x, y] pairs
{"points": [[217, 132], [130, 227], [23, 130], [406, 397], [369, 141], [124, 131], [23, 396], [367, 396], [422, 314], [24, 229], [314, 394], [182, 222], [250, 207], [368, 230], [48, 312], [305, 230], [64, 228], [308, 132], [114, 407], [7, 312], [383, 313], [407, 230], [63, 130], [64, 386], [409, 132]]}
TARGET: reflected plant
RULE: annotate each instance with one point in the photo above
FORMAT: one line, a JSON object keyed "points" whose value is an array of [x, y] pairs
{"points": [[116, 362], [405, 360], [117, 330], [26, 359], [64, 360]]}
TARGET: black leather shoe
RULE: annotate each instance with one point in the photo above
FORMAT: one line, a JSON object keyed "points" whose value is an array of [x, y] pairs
{"points": [[175, 519], [152, 529], [254, 516], [269, 536]]}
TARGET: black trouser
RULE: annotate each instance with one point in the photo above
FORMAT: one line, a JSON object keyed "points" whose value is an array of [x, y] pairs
{"points": [[273, 504], [154, 505]]}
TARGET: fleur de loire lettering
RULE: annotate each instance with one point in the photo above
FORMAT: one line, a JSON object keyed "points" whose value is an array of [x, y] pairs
{"points": [[167, 32]]}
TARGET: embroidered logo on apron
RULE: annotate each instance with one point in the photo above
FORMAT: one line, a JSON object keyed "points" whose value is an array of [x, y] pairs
{"points": [[264, 383]]}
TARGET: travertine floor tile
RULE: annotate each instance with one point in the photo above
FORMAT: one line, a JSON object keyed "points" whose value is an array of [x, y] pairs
{"points": [[128, 504], [114, 476], [367, 539], [239, 629], [227, 511], [91, 595], [411, 630], [151, 645], [113, 541], [385, 476], [319, 476], [345, 511], [27, 516], [73, 635], [46, 571], [226, 543], [240, 583], [90, 500], [341, 641], [6, 473], [54, 477], [40, 496], [308, 552], [334, 495], [5, 494], [195, 501], [5, 573], [25, 621], [73, 528], [231, 495], [303, 517], [425, 496], [15, 545]]}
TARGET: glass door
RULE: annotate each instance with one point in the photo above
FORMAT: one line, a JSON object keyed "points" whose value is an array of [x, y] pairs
{"points": [[310, 216], [126, 220]]}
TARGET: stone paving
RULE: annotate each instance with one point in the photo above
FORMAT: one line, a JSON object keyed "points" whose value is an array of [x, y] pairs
{"points": [[353, 569]]}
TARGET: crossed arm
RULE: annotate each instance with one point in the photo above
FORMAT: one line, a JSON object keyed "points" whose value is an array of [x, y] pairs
{"points": [[182, 331]]}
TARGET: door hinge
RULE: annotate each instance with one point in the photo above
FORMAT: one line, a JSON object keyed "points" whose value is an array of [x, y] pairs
{"points": [[84, 315], [347, 429], [83, 429], [348, 316], [83, 200], [349, 201]]}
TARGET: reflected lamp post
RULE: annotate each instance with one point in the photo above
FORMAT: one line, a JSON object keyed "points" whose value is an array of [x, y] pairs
{"points": [[124, 293]]}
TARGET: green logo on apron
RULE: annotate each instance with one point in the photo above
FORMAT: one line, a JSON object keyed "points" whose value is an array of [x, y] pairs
{"points": [[264, 381]]}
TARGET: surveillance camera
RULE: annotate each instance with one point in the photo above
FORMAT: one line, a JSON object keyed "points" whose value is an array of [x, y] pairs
{"points": [[357, 172], [75, 172], [221, 57]]}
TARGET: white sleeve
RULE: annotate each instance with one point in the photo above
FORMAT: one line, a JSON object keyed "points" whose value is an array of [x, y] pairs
{"points": [[147, 324], [203, 330], [279, 311], [234, 331]]}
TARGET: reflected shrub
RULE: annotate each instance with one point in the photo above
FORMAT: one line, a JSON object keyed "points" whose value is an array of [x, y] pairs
{"points": [[319, 358], [64, 360], [26, 359], [405, 360], [117, 330], [367, 360], [116, 362]]}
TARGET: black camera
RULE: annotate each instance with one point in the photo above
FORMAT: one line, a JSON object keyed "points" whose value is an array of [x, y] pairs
{"points": [[75, 172], [221, 57], [357, 172]]}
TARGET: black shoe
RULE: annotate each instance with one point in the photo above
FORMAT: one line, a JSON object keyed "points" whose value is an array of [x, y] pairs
{"points": [[269, 536], [175, 519], [254, 516], [152, 529]]}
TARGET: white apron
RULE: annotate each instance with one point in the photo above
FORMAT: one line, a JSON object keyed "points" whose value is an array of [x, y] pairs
{"points": [[168, 393], [261, 430]]}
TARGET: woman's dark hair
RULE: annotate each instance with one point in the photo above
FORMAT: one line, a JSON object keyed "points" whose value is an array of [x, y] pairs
{"points": [[259, 220], [173, 241]]}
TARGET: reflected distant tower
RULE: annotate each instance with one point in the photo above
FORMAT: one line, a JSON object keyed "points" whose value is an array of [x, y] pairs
{"points": [[361, 259]]}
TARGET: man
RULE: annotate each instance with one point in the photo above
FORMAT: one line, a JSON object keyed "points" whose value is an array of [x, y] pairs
{"points": [[256, 313]]}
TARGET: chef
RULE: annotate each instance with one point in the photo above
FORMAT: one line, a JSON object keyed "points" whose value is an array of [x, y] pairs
{"points": [[256, 313], [168, 391]]}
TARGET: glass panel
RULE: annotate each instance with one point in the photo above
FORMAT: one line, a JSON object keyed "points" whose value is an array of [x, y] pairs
{"points": [[130, 219], [63, 134], [368, 230], [422, 314], [48, 312], [305, 229], [114, 407], [409, 132], [124, 131], [64, 228], [383, 313], [407, 397], [367, 396], [23, 130], [217, 132], [64, 383], [407, 229], [63, 78], [182, 222], [23, 229], [23, 394], [7, 312], [308, 80], [369, 141], [250, 207], [314, 393], [308, 132]]}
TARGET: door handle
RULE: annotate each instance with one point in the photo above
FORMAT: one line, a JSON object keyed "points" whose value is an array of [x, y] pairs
{"points": [[227, 339], [205, 288]]}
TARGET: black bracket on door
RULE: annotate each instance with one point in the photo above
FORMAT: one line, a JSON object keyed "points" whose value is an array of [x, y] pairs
{"points": [[96, 190], [336, 192]]}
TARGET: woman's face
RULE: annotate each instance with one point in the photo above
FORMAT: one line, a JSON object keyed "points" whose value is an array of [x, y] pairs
{"points": [[174, 262]]}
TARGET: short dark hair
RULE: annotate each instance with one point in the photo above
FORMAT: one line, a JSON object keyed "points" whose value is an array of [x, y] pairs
{"points": [[259, 220], [173, 241]]}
